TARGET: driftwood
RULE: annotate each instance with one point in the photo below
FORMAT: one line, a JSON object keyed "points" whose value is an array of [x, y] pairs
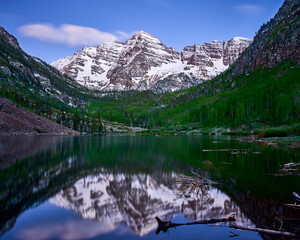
{"points": [[291, 168], [291, 164], [267, 231], [196, 186], [165, 225], [280, 174], [287, 170], [228, 163], [296, 196], [292, 205], [295, 206], [224, 150]]}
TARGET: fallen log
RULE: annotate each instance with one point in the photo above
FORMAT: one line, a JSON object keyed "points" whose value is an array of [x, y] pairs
{"points": [[165, 225], [224, 150], [228, 163], [267, 231], [280, 174], [292, 205], [291, 164]]}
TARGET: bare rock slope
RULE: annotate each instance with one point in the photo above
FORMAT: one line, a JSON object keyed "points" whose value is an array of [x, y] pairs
{"points": [[15, 120]]}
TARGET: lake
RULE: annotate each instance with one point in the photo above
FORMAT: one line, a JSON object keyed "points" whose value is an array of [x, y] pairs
{"points": [[113, 187]]}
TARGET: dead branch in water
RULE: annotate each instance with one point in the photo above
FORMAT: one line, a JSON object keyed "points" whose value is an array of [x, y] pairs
{"points": [[225, 150], [292, 205], [165, 225], [196, 186], [290, 169], [296, 196], [267, 231], [233, 234]]}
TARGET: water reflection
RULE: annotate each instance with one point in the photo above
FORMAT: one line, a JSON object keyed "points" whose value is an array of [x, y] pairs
{"points": [[120, 183], [17, 148], [137, 199]]}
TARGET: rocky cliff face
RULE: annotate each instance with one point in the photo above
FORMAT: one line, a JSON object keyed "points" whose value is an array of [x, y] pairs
{"points": [[210, 59], [144, 62], [90, 65], [9, 39], [276, 41], [21, 70], [138, 56], [233, 49]]}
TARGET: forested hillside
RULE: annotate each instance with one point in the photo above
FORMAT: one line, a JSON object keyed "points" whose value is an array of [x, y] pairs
{"points": [[38, 87], [260, 89], [264, 97]]}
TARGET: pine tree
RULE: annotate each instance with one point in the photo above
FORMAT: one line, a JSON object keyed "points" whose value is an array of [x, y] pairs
{"points": [[76, 120]]}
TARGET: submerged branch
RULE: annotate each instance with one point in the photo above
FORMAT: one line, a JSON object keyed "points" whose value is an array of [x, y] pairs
{"points": [[165, 225], [196, 186], [224, 150]]}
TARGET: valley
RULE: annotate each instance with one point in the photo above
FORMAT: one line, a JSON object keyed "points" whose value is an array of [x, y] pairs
{"points": [[145, 84], [111, 132]]}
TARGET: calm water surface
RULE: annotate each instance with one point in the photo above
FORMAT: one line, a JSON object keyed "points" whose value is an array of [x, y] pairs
{"points": [[113, 187]]}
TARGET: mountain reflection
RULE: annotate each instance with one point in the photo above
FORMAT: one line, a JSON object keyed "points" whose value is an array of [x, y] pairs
{"points": [[136, 199], [125, 182]]}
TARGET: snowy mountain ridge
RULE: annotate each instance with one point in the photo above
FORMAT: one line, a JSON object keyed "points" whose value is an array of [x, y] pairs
{"points": [[144, 62], [136, 199]]}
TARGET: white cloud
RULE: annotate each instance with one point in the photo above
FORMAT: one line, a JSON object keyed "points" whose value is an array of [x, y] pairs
{"points": [[249, 8], [123, 36], [70, 35]]}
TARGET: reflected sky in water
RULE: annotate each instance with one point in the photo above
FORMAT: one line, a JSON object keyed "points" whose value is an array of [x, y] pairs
{"points": [[114, 187]]}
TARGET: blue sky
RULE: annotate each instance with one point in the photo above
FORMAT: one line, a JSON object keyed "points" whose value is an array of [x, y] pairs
{"points": [[57, 28]]}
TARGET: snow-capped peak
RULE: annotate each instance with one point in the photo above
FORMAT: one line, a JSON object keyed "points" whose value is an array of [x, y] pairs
{"points": [[144, 62], [144, 34], [141, 35]]}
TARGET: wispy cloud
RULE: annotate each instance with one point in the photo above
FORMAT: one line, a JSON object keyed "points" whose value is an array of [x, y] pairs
{"points": [[69, 35], [249, 8], [123, 36]]}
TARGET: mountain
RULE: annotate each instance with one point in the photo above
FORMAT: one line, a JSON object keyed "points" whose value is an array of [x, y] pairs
{"points": [[277, 41], [34, 85], [90, 64], [260, 89], [144, 62], [33, 77]]}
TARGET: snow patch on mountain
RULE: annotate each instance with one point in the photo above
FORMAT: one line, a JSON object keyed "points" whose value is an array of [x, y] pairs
{"points": [[144, 62]]}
